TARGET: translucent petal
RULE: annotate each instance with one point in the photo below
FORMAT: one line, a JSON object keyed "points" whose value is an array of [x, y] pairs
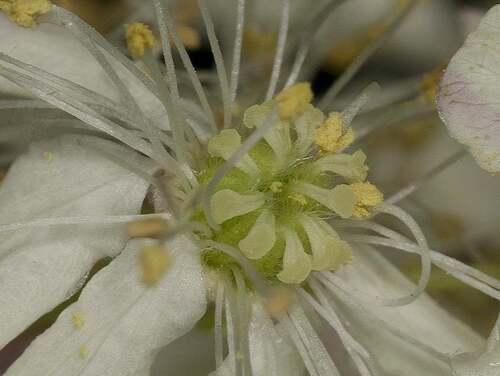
{"points": [[261, 237], [227, 204], [296, 262], [468, 98]]}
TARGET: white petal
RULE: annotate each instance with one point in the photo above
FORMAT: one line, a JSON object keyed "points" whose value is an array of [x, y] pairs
{"points": [[53, 49], [42, 266], [468, 99], [423, 320], [482, 363], [125, 321]]}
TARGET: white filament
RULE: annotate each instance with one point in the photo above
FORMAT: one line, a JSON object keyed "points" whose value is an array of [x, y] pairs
{"points": [[238, 41], [280, 49], [219, 62]]}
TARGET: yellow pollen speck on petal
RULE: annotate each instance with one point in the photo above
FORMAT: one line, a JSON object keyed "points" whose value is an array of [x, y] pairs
{"points": [[48, 156], [84, 351], [78, 320], [331, 136], [276, 187], [154, 262], [25, 12], [294, 100], [139, 38], [368, 197], [148, 228]]}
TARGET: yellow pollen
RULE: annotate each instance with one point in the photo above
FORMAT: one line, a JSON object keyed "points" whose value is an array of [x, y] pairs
{"points": [[331, 136], [368, 197], [25, 12], [78, 320], [48, 156], [139, 37], [154, 261], [276, 187], [84, 351], [293, 101], [148, 228]]}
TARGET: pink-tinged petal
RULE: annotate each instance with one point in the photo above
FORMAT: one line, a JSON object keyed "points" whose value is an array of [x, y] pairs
{"points": [[469, 97]]}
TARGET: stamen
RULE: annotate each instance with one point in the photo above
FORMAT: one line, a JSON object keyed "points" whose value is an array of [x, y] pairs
{"points": [[296, 262], [139, 38], [219, 348], [294, 100], [308, 34], [418, 183], [164, 14], [261, 238], [219, 62], [299, 345], [227, 204], [319, 355], [238, 41], [25, 12], [329, 251], [154, 262], [305, 126], [243, 322], [355, 107], [392, 25], [356, 351], [280, 49], [340, 199], [368, 197], [334, 135], [350, 167], [225, 144]]}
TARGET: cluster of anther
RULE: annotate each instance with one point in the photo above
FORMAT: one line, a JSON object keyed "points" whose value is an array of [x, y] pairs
{"points": [[274, 203]]}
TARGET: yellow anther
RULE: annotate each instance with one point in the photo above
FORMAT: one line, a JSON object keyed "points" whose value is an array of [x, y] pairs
{"points": [[78, 320], [276, 187], [294, 100], [139, 37], [48, 156], [332, 136], [154, 261], [148, 228], [84, 351], [25, 12], [368, 197], [297, 197]]}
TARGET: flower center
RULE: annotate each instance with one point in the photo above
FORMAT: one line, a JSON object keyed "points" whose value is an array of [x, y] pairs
{"points": [[273, 204]]}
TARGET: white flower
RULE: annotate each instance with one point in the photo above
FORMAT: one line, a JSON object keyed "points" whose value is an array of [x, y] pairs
{"points": [[265, 216]]}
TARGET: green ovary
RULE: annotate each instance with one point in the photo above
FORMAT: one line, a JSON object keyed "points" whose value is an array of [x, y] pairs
{"points": [[284, 204]]}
